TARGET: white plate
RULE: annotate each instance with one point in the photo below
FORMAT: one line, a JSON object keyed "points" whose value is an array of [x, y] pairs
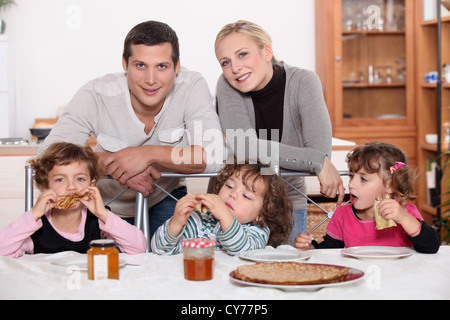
{"points": [[78, 262], [377, 252], [273, 255], [354, 275]]}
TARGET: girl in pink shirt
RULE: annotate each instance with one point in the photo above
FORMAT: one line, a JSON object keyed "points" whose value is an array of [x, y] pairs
{"points": [[65, 169], [377, 170]]}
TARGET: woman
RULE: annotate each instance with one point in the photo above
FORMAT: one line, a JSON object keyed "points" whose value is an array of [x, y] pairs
{"points": [[273, 102]]}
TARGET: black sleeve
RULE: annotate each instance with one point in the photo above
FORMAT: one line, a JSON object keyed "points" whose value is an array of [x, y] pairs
{"points": [[427, 241], [328, 243]]}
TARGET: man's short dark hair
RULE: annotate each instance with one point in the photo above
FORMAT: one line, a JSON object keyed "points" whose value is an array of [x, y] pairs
{"points": [[152, 33]]}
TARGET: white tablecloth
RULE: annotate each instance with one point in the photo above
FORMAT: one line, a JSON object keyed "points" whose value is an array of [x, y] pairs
{"points": [[418, 276]]}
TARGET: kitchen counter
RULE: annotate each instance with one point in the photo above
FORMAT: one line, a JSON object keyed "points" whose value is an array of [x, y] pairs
{"points": [[19, 150]]}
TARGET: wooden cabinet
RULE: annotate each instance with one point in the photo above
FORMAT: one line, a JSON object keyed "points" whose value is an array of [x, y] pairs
{"points": [[4, 88], [401, 107], [365, 59], [433, 100]]}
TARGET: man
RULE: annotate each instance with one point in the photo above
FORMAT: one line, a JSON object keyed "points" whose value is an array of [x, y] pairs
{"points": [[145, 121]]}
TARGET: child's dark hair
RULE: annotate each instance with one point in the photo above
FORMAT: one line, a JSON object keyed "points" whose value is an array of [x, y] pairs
{"points": [[379, 157], [62, 154], [277, 207]]}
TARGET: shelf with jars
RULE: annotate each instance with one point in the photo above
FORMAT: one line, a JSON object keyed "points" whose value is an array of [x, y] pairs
{"points": [[365, 59], [433, 104]]}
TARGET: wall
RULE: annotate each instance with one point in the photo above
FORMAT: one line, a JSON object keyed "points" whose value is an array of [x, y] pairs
{"points": [[58, 45]]}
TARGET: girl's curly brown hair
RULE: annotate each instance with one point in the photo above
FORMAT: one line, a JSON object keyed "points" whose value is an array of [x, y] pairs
{"points": [[62, 154], [277, 211], [378, 157]]}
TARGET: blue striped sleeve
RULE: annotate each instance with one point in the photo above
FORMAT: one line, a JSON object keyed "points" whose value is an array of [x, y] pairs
{"points": [[243, 237]]}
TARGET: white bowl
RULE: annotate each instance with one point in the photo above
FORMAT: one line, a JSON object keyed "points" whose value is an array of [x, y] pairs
{"points": [[431, 138]]}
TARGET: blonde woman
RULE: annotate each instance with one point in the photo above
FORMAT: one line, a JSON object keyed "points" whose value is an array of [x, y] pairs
{"points": [[273, 102]]}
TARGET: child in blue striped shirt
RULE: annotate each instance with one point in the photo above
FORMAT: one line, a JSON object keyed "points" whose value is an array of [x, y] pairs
{"points": [[247, 211]]}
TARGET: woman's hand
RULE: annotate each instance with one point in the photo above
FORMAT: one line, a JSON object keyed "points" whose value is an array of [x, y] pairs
{"points": [[331, 183]]}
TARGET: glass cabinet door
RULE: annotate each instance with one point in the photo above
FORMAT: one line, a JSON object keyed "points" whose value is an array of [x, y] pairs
{"points": [[373, 59]]}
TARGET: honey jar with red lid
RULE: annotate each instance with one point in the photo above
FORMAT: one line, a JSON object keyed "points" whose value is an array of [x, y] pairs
{"points": [[198, 254]]}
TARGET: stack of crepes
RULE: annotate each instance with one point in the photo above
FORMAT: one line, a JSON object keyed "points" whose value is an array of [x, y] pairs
{"points": [[381, 223], [290, 273]]}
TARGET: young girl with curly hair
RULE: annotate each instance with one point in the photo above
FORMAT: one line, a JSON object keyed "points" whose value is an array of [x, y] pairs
{"points": [[378, 170], [247, 211], [65, 169]]}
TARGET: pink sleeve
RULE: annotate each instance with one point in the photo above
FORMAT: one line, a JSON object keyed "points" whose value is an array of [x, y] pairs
{"points": [[412, 210], [128, 238], [15, 239]]}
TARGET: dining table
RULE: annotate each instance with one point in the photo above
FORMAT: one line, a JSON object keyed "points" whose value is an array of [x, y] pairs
{"points": [[149, 276]]}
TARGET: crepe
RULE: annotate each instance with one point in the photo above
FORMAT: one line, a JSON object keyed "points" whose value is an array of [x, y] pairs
{"points": [[291, 273], [381, 223], [68, 200], [199, 207]]}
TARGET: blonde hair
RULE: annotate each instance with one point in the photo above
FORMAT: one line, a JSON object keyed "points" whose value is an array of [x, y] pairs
{"points": [[258, 34]]}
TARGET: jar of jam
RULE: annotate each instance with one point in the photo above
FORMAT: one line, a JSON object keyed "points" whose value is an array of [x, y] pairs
{"points": [[198, 257], [103, 260]]}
